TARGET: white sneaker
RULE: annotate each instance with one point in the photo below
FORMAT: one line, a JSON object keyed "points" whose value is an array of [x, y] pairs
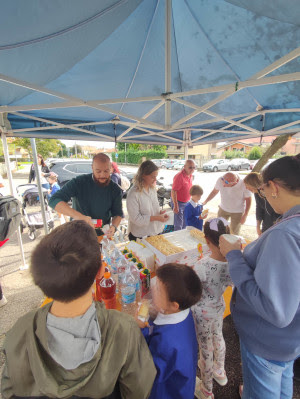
{"points": [[220, 377], [200, 391], [3, 301]]}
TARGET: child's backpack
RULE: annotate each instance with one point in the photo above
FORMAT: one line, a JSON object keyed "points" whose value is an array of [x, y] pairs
{"points": [[10, 216], [125, 183]]}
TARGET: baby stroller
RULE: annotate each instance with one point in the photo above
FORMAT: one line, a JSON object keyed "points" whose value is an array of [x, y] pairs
{"points": [[29, 197]]}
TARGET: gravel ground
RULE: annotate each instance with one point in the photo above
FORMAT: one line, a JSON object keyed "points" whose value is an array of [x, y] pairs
{"points": [[23, 296]]}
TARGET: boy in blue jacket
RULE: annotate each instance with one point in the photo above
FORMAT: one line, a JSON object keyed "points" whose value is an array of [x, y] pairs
{"points": [[171, 335], [192, 211]]}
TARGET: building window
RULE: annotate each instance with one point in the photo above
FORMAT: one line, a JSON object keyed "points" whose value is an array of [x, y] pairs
{"points": [[178, 147]]}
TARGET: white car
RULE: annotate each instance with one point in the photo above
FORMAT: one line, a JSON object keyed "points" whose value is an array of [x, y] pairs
{"points": [[216, 165], [239, 163], [179, 164]]}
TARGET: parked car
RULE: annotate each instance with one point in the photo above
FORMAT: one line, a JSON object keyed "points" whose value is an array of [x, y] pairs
{"points": [[67, 169], [216, 165], [179, 164], [160, 163], [253, 163], [239, 163], [170, 163]]}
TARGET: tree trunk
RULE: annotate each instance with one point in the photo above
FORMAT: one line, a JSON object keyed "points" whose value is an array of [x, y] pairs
{"points": [[278, 143]]}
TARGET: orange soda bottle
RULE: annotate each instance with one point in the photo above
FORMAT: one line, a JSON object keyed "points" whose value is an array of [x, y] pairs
{"points": [[108, 291]]}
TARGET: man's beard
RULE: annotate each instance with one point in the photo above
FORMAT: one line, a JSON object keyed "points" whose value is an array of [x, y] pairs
{"points": [[106, 183]]}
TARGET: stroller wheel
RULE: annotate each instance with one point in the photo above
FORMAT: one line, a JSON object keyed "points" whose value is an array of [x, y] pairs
{"points": [[32, 235]]}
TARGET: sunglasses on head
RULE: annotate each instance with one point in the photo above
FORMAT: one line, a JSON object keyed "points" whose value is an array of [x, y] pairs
{"points": [[261, 191]]}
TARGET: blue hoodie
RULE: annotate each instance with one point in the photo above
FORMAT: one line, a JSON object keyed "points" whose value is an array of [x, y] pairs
{"points": [[265, 304]]}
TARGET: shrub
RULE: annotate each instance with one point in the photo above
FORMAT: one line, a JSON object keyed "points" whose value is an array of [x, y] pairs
{"points": [[255, 153], [234, 154], [135, 157]]}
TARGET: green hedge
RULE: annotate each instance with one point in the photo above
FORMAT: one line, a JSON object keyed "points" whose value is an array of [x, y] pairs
{"points": [[135, 157], [234, 154]]}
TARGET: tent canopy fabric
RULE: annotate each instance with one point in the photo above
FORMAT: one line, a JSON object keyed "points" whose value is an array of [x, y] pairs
{"points": [[150, 71]]}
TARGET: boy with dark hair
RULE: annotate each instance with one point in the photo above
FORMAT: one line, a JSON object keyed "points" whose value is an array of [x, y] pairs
{"points": [[74, 347], [192, 211], [171, 336]]}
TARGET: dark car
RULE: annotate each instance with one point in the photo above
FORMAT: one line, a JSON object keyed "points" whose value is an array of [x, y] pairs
{"points": [[67, 169]]}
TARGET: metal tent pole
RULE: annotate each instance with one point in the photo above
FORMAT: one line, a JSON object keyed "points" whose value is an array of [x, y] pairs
{"points": [[168, 20], [186, 139], [38, 178], [186, 151], [12, 190]]}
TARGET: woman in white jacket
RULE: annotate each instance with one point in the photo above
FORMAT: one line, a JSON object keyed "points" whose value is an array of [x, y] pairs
{"points": [[145, 217]]}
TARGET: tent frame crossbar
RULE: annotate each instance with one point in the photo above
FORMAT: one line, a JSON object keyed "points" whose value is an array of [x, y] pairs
{"points": [[259, 79]]}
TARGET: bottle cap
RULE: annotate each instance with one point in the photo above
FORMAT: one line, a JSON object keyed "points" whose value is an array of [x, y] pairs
{"points": [[107, 275]]}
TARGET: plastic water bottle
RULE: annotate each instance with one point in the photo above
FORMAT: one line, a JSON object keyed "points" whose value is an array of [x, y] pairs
{"points": [[104, 243], [107, 252], [108, 291], [136, 274], [115, 257], [128, 293], [122, 267]]}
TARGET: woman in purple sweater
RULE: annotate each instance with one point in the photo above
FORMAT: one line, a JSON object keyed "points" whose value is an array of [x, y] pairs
{"points": [[265, 303]]}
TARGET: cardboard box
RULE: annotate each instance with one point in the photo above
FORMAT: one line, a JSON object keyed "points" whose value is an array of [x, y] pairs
{"points": [[183, 239]]}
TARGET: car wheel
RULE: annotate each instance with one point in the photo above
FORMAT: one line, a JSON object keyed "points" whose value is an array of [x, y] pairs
{"points": [[248, 167], [229, 168], [239, 167], [163, 167], [215, 169]]}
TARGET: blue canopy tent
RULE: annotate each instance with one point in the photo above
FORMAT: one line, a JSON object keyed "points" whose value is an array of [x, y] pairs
{"points": [[181, 72]]}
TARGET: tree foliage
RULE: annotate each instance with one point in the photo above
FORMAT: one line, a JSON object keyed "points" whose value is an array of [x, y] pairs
{"points": [[77, 148], [234, 154], [45, 147], [255, 153], [135, 157], [140, 147]]}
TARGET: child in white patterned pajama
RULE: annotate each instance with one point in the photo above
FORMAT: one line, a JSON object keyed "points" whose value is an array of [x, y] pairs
{"points": [[208, 312]]}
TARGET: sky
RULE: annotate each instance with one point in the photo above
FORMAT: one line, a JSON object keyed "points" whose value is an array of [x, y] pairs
{"points": [[97, 144]]}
